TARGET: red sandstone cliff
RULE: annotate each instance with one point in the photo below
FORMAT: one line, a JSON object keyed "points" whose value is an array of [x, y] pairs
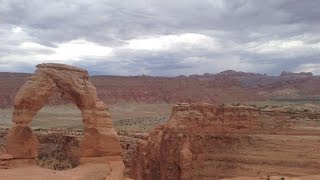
{"points": [[203, 141], [172, 151]]}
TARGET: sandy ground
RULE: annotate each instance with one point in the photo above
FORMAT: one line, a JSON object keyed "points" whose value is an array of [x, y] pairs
{"points": [[69, 116]]}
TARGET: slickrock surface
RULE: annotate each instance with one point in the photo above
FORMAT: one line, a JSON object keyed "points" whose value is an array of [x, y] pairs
{"points": [[100, 143], [313, 177], [207, 142], [82, 172]]}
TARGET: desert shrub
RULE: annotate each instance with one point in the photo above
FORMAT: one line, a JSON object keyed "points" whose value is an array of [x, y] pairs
{"points": [[60, 156], [306, 110], [292, 111], [263, 107], [253, 105], [235, 104]]}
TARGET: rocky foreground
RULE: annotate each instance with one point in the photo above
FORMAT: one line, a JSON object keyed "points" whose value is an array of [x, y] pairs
{"points": [[203, 141]]}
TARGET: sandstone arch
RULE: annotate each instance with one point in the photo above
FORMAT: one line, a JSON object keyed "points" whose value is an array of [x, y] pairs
{"points": [[100, 138]]}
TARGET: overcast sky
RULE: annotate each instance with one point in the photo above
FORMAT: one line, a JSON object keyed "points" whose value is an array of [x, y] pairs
{"points": [[161, 37]]}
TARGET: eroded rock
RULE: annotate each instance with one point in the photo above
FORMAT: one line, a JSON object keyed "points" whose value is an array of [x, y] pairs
{"points": [[205, 141], [174, 150], [100, 138], [21, 143]]}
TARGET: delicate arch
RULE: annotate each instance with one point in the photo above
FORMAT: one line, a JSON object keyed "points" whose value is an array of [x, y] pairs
{"points": [[100, 138]]}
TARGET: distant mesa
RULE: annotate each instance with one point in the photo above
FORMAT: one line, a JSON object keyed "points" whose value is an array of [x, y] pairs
{"points": [[228, 72], [212, 88], [237, 73], [300, 74]]}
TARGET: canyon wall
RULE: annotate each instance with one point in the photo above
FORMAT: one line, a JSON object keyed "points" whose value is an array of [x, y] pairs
{"points": [[203, 141]]}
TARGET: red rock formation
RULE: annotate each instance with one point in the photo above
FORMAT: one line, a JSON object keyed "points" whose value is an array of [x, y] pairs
{"points": [[22, 143], [100, 138], [173, 150], [203, 141]]}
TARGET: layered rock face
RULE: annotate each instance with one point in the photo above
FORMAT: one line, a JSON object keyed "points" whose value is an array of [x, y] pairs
{"points": [[100, 138], [203, 141], [174, 150]]}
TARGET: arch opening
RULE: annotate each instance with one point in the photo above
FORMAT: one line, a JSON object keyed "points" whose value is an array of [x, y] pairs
{"points": [[59, 129]]}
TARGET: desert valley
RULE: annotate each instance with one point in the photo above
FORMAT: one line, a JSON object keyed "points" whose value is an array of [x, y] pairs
{"points": [[212, 126], [159, 90]]}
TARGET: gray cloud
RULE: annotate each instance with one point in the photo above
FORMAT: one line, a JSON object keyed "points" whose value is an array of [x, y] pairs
{"points": [[248, 35]]}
